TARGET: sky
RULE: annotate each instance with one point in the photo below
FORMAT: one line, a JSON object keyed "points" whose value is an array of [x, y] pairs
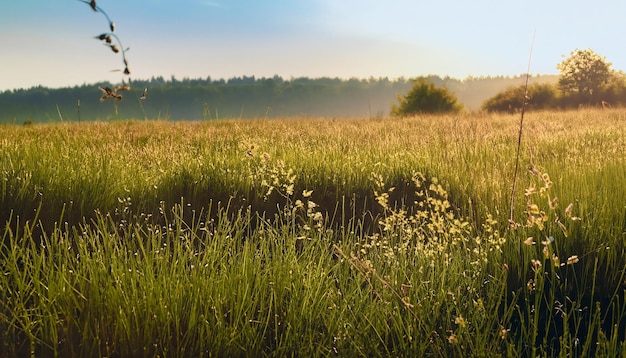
{"points": [[51, 42]]}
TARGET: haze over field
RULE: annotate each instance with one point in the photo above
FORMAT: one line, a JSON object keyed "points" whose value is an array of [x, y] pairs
{"points": [[51, 42]]}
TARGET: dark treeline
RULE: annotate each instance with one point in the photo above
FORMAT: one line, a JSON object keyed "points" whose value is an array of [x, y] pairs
{"points": [[238, 97]]}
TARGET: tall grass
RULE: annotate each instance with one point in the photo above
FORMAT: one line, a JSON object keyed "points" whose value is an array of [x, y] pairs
{"points": [[314, 237]]}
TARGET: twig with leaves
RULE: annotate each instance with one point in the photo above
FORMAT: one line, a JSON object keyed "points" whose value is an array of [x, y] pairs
{"points": [[107, 92], [111, 40], [108, 37]]}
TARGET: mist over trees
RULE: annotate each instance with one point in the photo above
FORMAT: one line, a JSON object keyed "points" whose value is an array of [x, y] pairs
{"points": [[238, 97], [203, 99], [586, 79]]}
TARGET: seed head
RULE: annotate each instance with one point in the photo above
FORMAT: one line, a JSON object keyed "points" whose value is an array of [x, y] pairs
{"points": [[572, 260]]}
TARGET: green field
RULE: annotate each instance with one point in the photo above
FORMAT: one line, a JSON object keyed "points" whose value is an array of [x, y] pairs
{"points": [[315, 237]]}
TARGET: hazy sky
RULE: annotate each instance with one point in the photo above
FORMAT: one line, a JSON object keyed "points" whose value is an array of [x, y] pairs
{"points": [[50, 42]]}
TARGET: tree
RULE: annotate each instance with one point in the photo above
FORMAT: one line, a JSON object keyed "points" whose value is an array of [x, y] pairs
{"points": [[540, 96], [584, 73], [425, 97], [614, 92]]}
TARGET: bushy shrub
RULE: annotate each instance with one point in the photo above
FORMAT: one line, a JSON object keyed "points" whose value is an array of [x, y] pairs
{"points": [[539, 96], [425, 97]]}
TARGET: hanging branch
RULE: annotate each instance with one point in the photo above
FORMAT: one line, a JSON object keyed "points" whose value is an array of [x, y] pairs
{"points": [[109, 37]]}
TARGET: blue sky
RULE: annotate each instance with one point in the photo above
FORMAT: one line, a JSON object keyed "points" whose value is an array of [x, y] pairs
{"points": [[51, 42]]}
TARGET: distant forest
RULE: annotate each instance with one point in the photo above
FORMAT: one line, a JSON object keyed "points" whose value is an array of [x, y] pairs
{"points": [[239, 97]]}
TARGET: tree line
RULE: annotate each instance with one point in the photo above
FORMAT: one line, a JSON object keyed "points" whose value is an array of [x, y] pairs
{"points": [[237, 97]]}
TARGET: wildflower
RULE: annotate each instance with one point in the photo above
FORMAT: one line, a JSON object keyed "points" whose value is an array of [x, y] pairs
{"points": [[556, 261], [460, 321], [568, 213], [452, 339], [504, 332], [548, 242], [307, 193], [553, 203], [530, 191], [534, 170], [533, 209], [479, 304], [572, 259], [115, 48], [529, 241], [568, 210], [536, 264], [562, 227]]}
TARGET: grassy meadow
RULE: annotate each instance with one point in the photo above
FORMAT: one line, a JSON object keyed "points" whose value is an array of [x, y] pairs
{"points": [[315, 237]]}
